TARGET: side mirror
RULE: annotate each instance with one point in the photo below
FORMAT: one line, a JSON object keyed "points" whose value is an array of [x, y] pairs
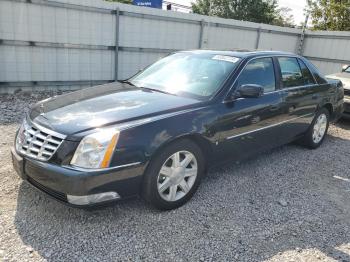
{"points": [[249, 91], [344, 67]]}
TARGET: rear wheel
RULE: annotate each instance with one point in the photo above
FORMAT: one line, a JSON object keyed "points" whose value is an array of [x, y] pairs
{"points": [[318, 130], [174, 175]]}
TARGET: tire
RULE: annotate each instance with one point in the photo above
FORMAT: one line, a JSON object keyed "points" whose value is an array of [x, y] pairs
{"points": [[165, 189], [312, 140]]}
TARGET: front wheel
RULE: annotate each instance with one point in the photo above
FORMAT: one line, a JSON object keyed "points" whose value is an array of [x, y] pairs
{"points": [[174, 175], [318, 130]]}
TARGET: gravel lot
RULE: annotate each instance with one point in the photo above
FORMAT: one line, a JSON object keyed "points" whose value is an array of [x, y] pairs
{"points": [[290, 204]]}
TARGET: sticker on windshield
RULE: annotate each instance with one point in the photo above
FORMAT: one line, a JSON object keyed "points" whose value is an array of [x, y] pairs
{"points": [[226, 58]]}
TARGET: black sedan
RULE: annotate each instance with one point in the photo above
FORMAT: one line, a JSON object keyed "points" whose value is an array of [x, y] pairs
{"points": [[156, 133]]}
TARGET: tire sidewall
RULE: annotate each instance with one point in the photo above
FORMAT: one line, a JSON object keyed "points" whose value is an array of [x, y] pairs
{"points": [[150, 188]]}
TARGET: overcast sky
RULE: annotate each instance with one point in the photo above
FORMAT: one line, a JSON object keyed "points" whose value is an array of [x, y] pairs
{"points": [[297, 7]]}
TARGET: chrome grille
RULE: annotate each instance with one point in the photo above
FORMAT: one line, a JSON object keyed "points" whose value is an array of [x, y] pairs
{"points": [[37, 142]]}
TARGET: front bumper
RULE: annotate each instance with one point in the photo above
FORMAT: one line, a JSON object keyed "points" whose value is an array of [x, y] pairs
{"points": [[59, 181]]}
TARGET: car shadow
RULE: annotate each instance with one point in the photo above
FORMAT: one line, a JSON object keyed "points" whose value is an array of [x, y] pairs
{"points": [[343, 123], [289, 198]]}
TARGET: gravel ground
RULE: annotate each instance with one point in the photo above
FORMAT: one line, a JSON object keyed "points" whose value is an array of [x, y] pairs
{"points": [[289, 204]]}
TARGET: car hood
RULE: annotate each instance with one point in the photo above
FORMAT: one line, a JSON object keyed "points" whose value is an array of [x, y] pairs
{"points": [[343, 76], [104, 105]]}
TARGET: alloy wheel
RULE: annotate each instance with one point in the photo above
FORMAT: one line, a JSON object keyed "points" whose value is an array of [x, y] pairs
{"points": [[319, 129], [177, 176]]}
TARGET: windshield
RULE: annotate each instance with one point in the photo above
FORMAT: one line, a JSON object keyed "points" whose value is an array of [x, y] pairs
{"points": [[195, 75]]}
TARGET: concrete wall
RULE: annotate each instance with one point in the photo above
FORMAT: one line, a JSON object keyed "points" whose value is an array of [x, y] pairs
{"points": [[73, 43]]}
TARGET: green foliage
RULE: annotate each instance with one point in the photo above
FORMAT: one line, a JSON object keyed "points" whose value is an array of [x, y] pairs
{"points": [[259, 11], [284, 18], [330, 14]]}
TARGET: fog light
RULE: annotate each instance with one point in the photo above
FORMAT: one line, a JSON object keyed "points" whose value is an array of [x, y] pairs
{"points": [[92, 199]]}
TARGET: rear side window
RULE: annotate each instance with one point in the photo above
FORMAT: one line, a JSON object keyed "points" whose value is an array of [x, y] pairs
{"points": [[308, 78], [320, 79], [259, 71], [291, 72]]}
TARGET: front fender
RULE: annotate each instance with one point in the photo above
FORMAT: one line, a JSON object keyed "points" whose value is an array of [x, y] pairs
{"points": [[140, 143]]}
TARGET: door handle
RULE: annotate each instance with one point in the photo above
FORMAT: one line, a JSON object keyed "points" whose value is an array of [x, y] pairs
{"points": [[274, 108], [291, 109]]}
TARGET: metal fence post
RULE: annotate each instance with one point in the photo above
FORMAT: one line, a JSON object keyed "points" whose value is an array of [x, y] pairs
{"points": [[299, 45], [300, 48], [117, 14], [258, 37], [202, 24]]}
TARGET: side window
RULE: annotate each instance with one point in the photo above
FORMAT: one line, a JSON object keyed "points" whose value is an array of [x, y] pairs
{"points": [[308, 78], [290, 71], [259, 71], [320, 79]]}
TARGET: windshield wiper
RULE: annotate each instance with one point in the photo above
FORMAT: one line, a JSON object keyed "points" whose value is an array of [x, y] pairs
{"points": [[147, 88], [126, 82], [157, 90]]}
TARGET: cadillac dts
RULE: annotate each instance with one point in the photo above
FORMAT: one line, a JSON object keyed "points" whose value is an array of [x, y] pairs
{"points": [[156, 133]]}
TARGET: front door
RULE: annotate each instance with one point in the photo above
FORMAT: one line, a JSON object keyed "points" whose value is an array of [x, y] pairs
{"points": [[250, 125]]}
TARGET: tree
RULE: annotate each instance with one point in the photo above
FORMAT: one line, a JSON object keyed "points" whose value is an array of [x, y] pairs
{"points": [[284, 18], [259, 11], [330, 14]]}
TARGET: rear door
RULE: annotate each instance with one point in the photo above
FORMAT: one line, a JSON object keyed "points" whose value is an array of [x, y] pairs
{"points": [[300, 96], [250, 125]]}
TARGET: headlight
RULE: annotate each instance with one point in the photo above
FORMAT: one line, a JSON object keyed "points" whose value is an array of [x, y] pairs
{"points": [[20, 139], [96, 150]]}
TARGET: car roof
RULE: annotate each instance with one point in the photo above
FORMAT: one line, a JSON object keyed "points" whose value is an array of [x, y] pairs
{"points": [[242, 53]]}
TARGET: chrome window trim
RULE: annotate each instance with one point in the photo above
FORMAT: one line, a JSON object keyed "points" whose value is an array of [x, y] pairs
{"points": [[297, 87], [277, 90], [301, 60], [251, 59], [266, 127], [282, 90], [297, 59]]}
